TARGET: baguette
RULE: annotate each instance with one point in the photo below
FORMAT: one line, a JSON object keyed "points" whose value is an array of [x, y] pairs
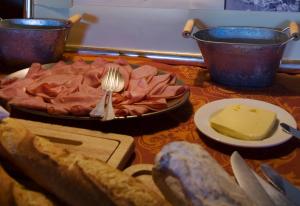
{"points": [[13, 193], [187, 175], [73, 178]]}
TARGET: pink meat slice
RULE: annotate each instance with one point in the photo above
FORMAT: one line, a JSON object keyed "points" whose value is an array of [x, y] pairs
{"points": [[170, 92], [132, 97], [145, 71], [15, 89], [77, 103], [125, 72], [53, 85], [128, 68], [93, 91], [36, 103], [154, 104], [7, 81], [34, 71], [126, 110], [63, 69], [158, 89], [80, 102], [158, 81], [57, 109], [138, 85], [93, 77], [58, 65], [80, 67], [98, 62], [137, 91], [46, 90]]}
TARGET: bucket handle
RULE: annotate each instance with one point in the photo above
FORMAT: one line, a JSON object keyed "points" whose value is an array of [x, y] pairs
{"points": [[75, 18], [293, 32], [71, 21], [189, 26]]}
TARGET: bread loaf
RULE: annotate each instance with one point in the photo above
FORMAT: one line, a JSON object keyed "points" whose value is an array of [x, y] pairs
{"points": [[73, 178], [13, 193], [187, 175]]}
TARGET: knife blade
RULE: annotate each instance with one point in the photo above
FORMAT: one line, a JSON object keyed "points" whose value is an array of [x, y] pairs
{"points": [[248, 182], [277, 197], [290, 130], [291, 192]]}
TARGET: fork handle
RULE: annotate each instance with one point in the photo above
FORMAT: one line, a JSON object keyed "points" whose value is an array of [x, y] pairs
{"points": [[110, 114], [99, 110]]}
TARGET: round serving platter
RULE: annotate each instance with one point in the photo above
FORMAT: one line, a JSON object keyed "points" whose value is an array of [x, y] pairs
{"points": [[171, 104]]}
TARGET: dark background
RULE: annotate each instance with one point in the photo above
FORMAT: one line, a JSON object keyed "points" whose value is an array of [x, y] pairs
{"points": [[11, 9]]}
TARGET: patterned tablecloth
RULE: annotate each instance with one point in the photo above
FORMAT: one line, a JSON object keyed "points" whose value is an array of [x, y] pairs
{"points": [[152, 133]]}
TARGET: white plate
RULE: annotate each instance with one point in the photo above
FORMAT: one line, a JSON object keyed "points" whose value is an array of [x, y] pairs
{"points": [[204, 113]]}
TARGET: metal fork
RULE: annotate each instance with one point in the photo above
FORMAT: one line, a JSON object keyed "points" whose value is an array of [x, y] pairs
{"points": [[111, 82]]}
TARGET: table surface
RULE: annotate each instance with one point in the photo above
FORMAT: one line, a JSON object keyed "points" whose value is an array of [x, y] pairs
{"points": [[153, 132]]}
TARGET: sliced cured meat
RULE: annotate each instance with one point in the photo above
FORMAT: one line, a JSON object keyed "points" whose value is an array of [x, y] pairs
{"points": [[144, 71], [71, 104], [15, 89], [36, 103], [170, 92], [126, 110], [139, 85], [98, 62], [125, 72], [76, 98], [80, 67], [154, 104], [92, 91], [53, 85], [93, 77], [56, 109], [64, 69], [80, 110], [158, 89], [34, 71], [159, 81], [75, 88], [131, 97], [7, 81], [46, 90]]}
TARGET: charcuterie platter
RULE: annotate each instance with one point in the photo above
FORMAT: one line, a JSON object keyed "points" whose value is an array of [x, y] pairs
{"points": [[39, 88]]}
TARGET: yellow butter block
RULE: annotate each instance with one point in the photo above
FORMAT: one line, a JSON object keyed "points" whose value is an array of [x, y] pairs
{"points": [[244, 122]]}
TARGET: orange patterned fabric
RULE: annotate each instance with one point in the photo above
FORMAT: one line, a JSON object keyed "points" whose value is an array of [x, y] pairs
{"points": [[153, 132]]}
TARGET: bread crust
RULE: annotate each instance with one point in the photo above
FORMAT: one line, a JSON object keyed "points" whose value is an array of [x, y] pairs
{"points": [[73, 178], [12, 193], [187, 175]]}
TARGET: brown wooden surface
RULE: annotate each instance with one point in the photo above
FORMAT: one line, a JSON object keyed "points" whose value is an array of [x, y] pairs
{"points": [[152, 133], [115, 149]]}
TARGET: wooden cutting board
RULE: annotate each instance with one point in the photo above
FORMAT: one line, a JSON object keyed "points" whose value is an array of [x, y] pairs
{"points": [[114, 149]]}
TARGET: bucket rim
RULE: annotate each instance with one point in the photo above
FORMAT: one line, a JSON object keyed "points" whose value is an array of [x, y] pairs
{"points": [[278, 32], [39, 24]]}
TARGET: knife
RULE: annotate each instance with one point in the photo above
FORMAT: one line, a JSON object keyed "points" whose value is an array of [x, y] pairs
{"points": [[291, 130], [277, 197], [248, 182], [291, 192]]}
